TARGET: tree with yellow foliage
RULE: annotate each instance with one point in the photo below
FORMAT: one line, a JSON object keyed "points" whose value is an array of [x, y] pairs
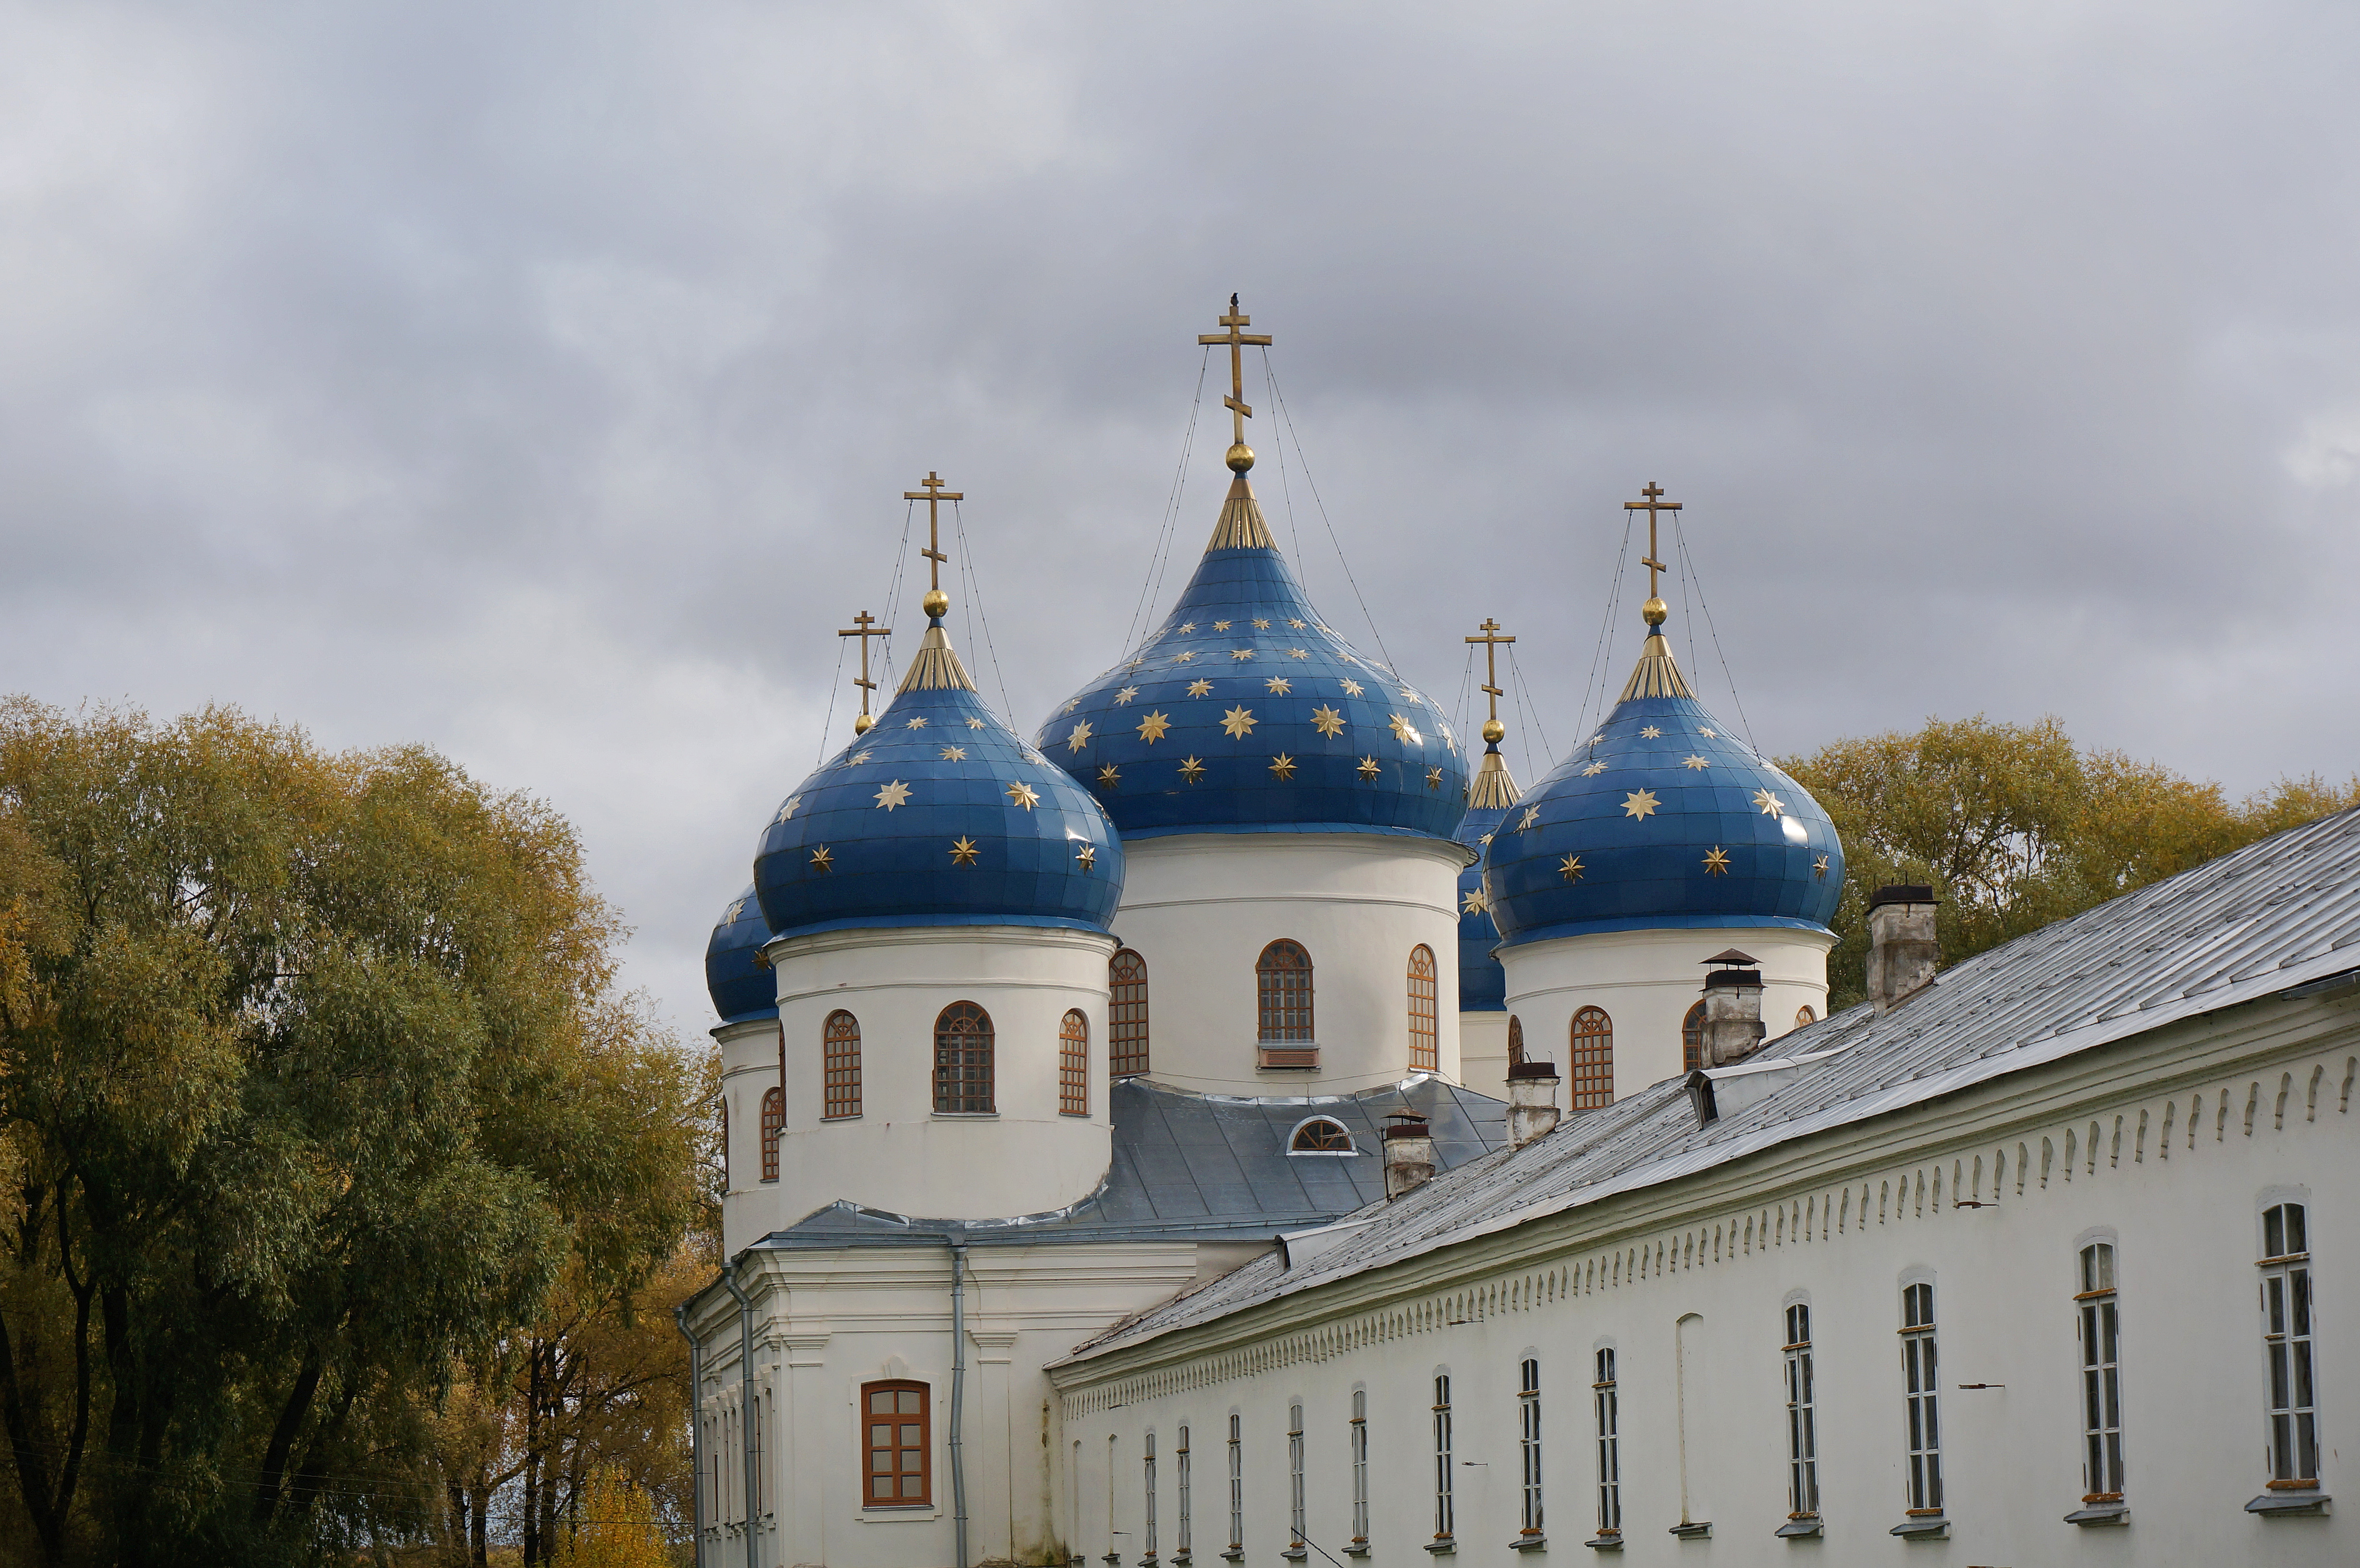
{"points": [[614, 1525]]}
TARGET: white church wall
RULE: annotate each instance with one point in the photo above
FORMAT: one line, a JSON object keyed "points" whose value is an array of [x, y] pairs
{"points": [[1646, 981], [1483, 1053], [1200, 908], [1844, 1226]]}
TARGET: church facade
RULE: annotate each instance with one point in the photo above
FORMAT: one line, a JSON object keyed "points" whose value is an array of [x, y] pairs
{"points": [[1238, 1122]]}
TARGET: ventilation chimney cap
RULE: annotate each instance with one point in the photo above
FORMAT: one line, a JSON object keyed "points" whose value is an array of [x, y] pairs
{"points": [[1406, 1124], [1732, 957], [1532, 1070], [1903, 893]]}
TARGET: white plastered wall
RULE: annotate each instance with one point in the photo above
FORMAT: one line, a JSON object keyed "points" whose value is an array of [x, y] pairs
{"points": [[1200, 908], [1484, 1052], [1646, 981]]}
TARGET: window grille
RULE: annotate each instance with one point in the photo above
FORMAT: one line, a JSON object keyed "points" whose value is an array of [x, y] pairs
{"points": [[774, 1122], [2286, 1345], [1592, 1047], [840, 1065], [1294, 1519], [1921, 1380], [896, 1455], [1608, 1411], [963, 1059], [2102, 1390], [1180, 1460], [1425, 1053], [1074, 1064], [1236, 1487], [1147, 1519], [1802, 1417], [1804, 1016], [1282, 991], [1321, 1134], [1126, 1014], [1529, 1435], [1515, 1040], [1692, 1039], [1359, 1467], [1446, 1518]]}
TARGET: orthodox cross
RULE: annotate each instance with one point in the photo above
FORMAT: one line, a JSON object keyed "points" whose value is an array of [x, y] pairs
{"points": [[934, 495], [1651, 506], [864, 627], [1491, 639], [1235, 402]]}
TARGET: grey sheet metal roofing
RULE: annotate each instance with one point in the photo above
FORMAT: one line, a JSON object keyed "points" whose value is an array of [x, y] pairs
{"points": [[1203, 1166], [2275, 916]]}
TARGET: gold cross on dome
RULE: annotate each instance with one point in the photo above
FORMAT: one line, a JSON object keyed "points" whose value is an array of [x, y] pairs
{"points": [[1235, 402], [1654, 504], [934, 495], [1491, 639], [864, 627]]}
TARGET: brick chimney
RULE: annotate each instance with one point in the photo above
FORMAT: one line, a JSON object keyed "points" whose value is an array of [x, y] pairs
{"points": [[1531, 1100], [1409, 1153], [1732, 1008], [1903, 950]]}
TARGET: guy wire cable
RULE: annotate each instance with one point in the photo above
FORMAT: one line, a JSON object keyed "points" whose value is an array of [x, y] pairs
{"points": [[975, 592], [893, 587], [1286, 495], [1152, 587], [828, 723], [1599, 658], [1279, 397], [1681, 541]]}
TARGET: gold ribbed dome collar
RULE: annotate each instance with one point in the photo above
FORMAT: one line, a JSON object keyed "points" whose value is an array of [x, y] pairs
{"points": [[1240, 524], [1493, 787], [938, 666], [1656, 674]]}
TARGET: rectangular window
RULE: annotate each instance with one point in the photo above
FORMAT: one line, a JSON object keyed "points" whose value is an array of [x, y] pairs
{"points": [[1236, 1487], [754, 1451], [896, 1455], [1180, 1458], [1529, 1423], [1921, 1380], [2287, 1345], [1359, 1467], [1074, 1065], [2102, 1390], [1610, 1447], [1294, 1519], [1802, 1418], [1147, 1519], [840, 1067], [1445, 1517]]}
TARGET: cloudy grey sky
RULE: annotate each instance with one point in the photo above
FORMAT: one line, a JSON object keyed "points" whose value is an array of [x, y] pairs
{"points": [[540, 381]]}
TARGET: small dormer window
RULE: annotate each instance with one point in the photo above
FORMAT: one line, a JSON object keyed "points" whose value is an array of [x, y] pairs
{"points": [[1321, 1134]]}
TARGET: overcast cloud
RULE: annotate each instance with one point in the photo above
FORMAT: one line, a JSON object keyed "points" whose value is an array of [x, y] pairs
{"points": [[540, 382]]}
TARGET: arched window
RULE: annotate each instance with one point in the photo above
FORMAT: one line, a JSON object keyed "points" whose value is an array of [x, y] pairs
{"points": [[963, 1059], [1804, 1016], [1282, 991], [1424, 1055], [839, 1040], [1074, 1064], [1515, 1040], [774, 1122], [1321, 1134], [1692, 1039], [895, 1454], [1593, 1059], [1126, 1014]]}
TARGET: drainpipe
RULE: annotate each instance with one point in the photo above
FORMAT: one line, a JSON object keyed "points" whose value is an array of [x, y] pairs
{"points": [[745, 1410], [695, 1424], [958, 1394]]}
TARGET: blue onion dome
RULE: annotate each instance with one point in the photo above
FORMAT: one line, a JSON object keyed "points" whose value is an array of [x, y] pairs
{"points": [[1662, 818], [1483, 984], [1245, 712], [939, 815], [741, 988]]}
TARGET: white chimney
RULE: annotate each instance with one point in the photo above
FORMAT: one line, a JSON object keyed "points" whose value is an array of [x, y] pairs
{"points": [[1732, 1008], [1903, 949], [1409, 1153], [1531, 1100]]}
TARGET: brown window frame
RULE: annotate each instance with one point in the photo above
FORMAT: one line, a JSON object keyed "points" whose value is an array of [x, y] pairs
{"points": [[1074, 1063], [948, 1076], [774, 1124], [1515, 1040], [924, 1449], [1424, 1022], [1692, 1039], [839, 1066], [1275, 1008], [1126, 1015], [1321, 1134], [1590, 1058]]}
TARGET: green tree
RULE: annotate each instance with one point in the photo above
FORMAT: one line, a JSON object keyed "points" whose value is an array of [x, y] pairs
{"points": [[314, 1082], [2014, 827]]}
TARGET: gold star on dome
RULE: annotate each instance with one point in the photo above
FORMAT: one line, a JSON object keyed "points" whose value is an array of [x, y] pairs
{"points": [[1598, 739], [1570, 867], [1240, 653], [1283, 766], [788, 808], [1594, 770], [1080, 737], [1023, 794], [1088, 857], [1262, 622], [954, 753], [962, 851], [1200, 687], [1434, 778], [1716, 862], [975, 724], [1295, 621], [1152, 728], [1108, 776], [1188, 628], [1532, 815], [917, 722], [1299, 653], [820, 858], [1322, 627], [1238, 721], [736, 909], [1183, 658], [1820, 868], [1192, 770], [855, 759], [1280, 685], [1485, 839], [1769, 805], [1695, 762], [1354, 688], [1707, 733], [894, 794], [1474, 904], [1404, 731], [1122, 698], [1368, 768], [1410, 696], [1072, 705], [1220, 626], [1651, 733], [1640, 803], [1327, 720]]}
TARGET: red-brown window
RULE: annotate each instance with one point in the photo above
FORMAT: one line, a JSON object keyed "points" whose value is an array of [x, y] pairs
{"points": [[1424, 1053], [1126, 1014], [1074, 1064], [774, 1122], [1282, 991], [963, 1059], [1692, 1039], [840, 1065], [1515, 1040], [895, 1454], [1593, 1059]]}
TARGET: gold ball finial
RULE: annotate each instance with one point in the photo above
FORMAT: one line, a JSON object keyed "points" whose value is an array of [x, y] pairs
{"points": [[862, 724], [1492, 730], [1655, 612], [937, 603], [1241, 457]]}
